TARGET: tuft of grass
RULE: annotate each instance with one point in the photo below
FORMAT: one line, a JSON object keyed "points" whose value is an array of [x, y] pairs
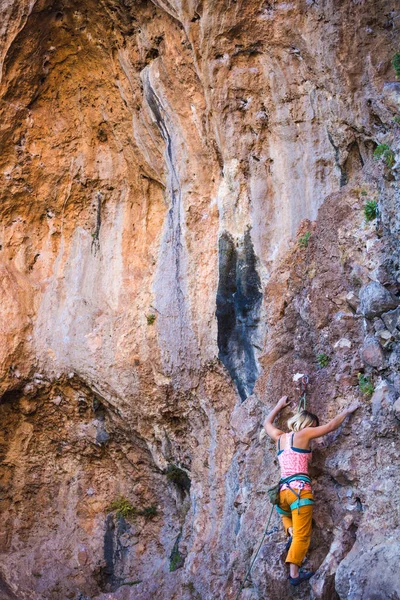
{"points": [[123, 507], [150, 318], [304, 239], [365, 385], [371, 210], [385, 153], [396, 119], [396, 64], [364, 193], [323, 360], [136, 582]]}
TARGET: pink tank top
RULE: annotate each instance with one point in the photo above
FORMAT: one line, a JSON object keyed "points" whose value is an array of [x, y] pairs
{"points": [[293, 461]]}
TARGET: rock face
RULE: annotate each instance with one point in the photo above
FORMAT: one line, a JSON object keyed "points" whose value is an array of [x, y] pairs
{"points": [[375, 299], [182, 231]]}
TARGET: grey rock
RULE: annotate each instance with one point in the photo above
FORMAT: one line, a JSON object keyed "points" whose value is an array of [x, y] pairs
{"points": [[394, 358], [376, 299], [378, 324], [353, 300], [392, 319], [396, 408], [395, 380], [382, 398], [358, 275], [102, 436], [372, 353], [385, 338], [369, 572], [391, 95]]}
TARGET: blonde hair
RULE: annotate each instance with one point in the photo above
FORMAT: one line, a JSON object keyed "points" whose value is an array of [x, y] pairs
{"points": [[301, 420]]}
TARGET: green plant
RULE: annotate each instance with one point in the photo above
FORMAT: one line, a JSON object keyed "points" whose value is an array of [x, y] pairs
{"points": [[396, 64], [323, 360], [304, 239], [123, 507], [150, 318], [133, 582], [176, 560], [178, 476], [364, 193], [148, 512], [384, 152], [371, 210], [366, 386], [396, 119]]}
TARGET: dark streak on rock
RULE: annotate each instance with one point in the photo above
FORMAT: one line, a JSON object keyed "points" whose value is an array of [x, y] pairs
{"points": [[114, 554], [239, 299], [95, 240]]}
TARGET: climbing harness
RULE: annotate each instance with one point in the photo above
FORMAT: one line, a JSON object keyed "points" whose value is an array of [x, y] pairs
{"points": [[266, 532], [302, 399], [300, 501]]}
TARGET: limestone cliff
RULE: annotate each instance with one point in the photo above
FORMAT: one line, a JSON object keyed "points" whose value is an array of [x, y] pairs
{"points": [[183, 230]]}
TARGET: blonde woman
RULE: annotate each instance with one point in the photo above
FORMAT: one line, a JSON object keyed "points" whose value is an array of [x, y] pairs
{"points": [[295, 494]]}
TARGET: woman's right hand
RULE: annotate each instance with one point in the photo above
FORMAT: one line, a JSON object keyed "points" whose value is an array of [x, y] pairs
{"points": [[283, 402], [353, 407]]}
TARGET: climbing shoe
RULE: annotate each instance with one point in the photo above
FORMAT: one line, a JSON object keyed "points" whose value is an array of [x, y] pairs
{"points": [[288, 543], [303, 576]]}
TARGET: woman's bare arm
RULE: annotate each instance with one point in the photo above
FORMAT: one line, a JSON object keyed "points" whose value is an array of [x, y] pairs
{"points": [[271, 430], [310, 433]]}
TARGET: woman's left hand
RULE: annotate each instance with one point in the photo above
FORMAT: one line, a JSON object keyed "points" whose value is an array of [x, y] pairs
{"points": [[283, 402]]}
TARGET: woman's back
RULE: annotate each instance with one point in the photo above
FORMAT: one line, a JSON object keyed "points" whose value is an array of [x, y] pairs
{"points": [[292, 460]]}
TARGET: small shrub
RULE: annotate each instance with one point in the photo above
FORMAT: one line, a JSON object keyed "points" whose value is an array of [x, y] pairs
{"points": [[323, 360], [123, 508], [396, 64], [385, 153], [303, 241], [366, 387], [396, 119], [176, 560], [364, 193], [370, 210], [150, 318], [148, 512]]}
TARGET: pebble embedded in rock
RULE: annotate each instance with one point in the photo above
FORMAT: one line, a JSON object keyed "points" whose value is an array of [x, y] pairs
{"points": [[385, 338], [372, 353], [381, 398], [392, 319], [353, 300]]}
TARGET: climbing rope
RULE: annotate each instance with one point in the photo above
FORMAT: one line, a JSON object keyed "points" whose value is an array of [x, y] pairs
{"points": [[266, 532], [303, 388]]}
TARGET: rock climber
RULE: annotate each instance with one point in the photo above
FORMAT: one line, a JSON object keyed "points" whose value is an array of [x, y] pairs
{"points": [[295, 494]]}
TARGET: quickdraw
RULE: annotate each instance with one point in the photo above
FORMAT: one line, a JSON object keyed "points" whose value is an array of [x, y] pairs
{"points": [[303, 387]]}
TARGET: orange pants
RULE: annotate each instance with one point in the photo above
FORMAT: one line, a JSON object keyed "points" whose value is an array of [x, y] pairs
{"points": [[301, 523]]}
